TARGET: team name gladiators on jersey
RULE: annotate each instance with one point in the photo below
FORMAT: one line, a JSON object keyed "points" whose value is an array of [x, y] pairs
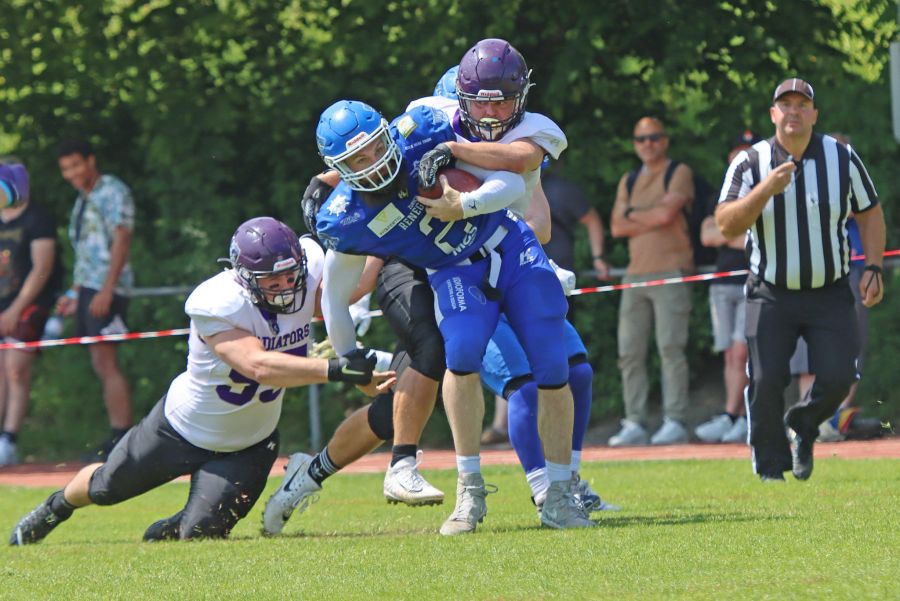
{"points": [[273, 343]]}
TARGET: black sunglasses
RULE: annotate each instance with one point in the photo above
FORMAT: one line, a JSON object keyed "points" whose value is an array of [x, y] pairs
{"points": [[652, 137]]}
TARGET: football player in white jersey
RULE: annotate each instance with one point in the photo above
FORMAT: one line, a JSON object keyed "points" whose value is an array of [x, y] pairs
{"points": [[491, 91], [250, 327]]}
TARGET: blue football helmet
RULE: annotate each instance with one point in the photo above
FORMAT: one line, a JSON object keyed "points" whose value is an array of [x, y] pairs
{"points": [[349, 127], [446, 85]]}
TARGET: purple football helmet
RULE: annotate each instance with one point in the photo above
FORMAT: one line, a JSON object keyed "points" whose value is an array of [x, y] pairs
{"points": [[263, 247], [492, 71]]}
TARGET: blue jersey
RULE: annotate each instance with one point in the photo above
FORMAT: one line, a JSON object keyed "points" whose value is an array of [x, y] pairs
{"points": [[399, 227]]}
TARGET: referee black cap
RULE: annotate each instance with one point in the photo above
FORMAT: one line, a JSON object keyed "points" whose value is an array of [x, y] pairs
{"points": [[794, 84]]}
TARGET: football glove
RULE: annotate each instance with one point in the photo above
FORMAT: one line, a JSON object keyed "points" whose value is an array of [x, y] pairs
{"points": [[431, 162], [315, 194], [355, 367]]}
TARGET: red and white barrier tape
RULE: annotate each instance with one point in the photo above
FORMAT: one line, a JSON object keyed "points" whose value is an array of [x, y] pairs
{"points": [[662, 282], [96, 339], [702, 277]]}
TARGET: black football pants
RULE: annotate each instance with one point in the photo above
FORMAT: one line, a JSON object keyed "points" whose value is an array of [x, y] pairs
{"points": [[776, 317]]}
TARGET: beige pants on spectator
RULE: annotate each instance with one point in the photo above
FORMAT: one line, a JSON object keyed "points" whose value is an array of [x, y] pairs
{"points": [[667, 308]]}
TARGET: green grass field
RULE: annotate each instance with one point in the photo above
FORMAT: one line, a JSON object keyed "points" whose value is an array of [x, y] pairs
{"points": [[689, 529]]}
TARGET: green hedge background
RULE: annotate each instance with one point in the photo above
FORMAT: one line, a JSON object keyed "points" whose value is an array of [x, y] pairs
{"points": [[207, 109]]}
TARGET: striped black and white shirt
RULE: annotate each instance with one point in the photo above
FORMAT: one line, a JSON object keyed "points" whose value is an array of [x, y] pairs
{"points": [[799, 241]]}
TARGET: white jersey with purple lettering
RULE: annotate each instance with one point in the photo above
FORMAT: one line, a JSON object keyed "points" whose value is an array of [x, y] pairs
{"points": [[211, 404], [535, 127]]}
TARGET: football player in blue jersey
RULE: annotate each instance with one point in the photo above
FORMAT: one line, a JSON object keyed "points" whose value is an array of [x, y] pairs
{"points": [[487, 93], [477, 266]]}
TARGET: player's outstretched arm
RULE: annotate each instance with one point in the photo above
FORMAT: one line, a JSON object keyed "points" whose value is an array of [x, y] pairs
{"points": [[245, 353]]}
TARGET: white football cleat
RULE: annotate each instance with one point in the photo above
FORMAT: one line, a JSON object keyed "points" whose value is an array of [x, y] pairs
{"points": [[297, 491], [404, 484]]}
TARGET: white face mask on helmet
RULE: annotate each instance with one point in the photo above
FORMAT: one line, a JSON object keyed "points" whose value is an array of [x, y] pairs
{"points": [[348, 127]]}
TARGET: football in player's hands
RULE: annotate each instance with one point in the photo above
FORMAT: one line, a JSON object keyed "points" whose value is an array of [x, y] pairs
{"points": [[459, 180]]}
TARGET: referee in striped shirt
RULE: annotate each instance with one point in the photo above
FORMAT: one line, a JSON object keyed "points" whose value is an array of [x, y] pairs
{"points": [[792, 194]]}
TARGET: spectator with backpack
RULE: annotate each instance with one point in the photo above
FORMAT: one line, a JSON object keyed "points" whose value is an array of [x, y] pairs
{"points": [[650, 211]]}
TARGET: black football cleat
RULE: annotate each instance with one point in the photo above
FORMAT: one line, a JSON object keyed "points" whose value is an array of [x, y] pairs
{"points": [[165, 529], [802, 454], [35, 526], [801, 448]]}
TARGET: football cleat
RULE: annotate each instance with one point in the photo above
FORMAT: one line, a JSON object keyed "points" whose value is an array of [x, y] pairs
{"points": [[35, 526], [165, 529], [297, 491], [589, 499], [404, 484], [561, 510], [470, 505]]}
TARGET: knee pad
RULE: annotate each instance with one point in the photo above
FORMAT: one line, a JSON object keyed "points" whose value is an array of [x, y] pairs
{"points": [[102, 492], [426, 350], [381, 416]]}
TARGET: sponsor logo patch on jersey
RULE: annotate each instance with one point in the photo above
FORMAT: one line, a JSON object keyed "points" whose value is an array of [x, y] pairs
{"points": [[527, 256], [328, 241], [352, 218], [406, 125], [338, 205], [385, 220], [457, 294]]}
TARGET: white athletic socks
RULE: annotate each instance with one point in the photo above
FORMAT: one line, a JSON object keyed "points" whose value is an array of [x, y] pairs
{"points": [[537, 480], [558, 472], [576, 461], [468, 464]]}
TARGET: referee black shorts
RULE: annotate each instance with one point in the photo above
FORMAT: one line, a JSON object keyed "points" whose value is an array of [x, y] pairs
{"points": [[224, 486], [407, 302]]}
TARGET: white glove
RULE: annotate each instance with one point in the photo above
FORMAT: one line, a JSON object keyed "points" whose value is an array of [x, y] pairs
{"points": [[359, 311], [566, 277], [383, 360]]}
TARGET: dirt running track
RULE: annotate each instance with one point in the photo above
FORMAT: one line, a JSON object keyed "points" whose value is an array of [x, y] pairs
{"points": [[41, 475]]}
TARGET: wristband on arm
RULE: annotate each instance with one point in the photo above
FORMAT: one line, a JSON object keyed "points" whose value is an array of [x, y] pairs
{"points": [[877, 278], [355, 367]]}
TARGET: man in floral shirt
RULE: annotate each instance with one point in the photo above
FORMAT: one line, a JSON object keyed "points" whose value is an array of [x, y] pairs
{"points": [[100, 231]]}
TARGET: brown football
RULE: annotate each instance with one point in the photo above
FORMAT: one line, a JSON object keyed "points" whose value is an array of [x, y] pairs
{"points": [[458, 180]]}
